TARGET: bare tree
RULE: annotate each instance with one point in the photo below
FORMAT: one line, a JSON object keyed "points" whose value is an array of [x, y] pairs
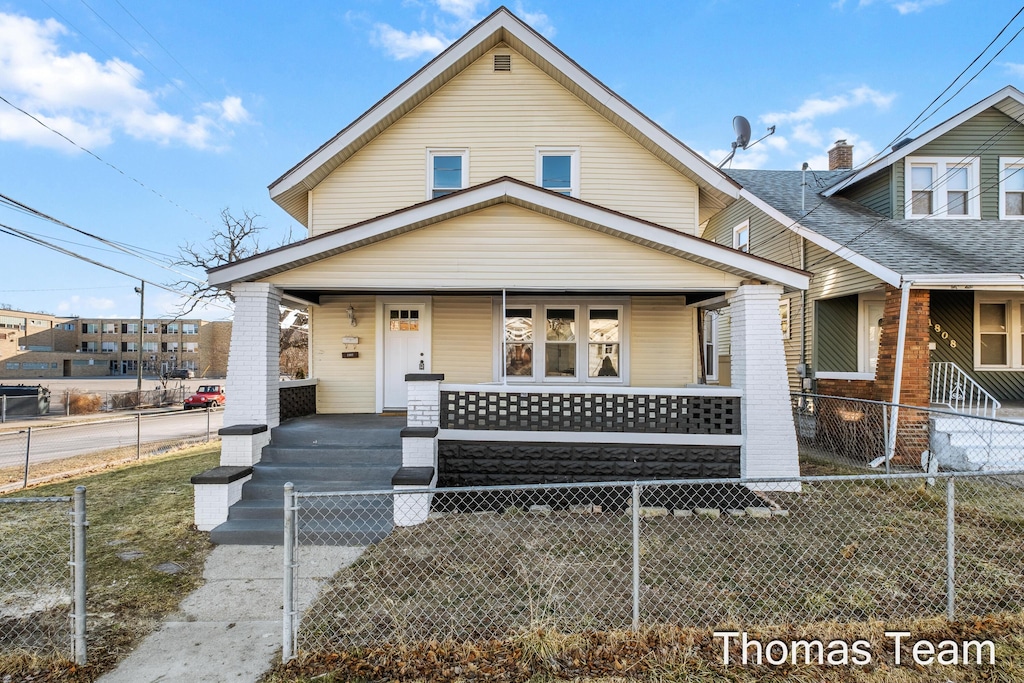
{"points": [[238, 238]]}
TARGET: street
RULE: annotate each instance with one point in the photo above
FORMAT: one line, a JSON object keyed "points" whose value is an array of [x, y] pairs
{"points": [[57, 442]]}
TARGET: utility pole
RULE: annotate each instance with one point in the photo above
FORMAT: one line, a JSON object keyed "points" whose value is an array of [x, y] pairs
{"points": [[141, 291]]}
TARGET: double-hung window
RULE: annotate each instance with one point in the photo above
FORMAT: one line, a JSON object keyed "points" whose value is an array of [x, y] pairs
{"points": [[939, 187], [447, 171], [558, 170], [1011, 188]]}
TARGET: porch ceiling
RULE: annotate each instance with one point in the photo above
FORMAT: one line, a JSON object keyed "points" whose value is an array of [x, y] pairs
{"points": [[314, 295]]}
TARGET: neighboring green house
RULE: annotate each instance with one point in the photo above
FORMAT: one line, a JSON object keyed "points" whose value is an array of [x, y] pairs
{"points": [[940, 216]]}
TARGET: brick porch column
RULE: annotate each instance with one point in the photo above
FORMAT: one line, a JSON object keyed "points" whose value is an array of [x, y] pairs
{"points": [[915, 387], [759, 369], [252, 406]]}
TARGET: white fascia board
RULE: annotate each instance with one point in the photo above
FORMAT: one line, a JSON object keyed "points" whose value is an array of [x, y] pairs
{"points": [[962, 280], [887, 275], [474, 197], [923, 139], [503, 20]]}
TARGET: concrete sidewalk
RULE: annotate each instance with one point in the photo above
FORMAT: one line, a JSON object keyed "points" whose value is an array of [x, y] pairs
{"points": [[230, 628]]}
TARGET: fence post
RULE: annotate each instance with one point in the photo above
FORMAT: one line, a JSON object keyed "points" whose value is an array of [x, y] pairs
{"points": [[950, 548], [635, 509], [885, 434], [67, 402], [138, 436], [288, 633], [208, 423], [3, 408], [80, 524], [28, 451]]}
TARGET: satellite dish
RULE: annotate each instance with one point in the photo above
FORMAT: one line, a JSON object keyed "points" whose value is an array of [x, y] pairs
{"points": [[742, 128]]}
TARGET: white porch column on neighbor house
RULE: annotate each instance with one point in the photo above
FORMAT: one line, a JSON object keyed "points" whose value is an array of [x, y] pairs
{"points": [[252, 406], [759, 369]]}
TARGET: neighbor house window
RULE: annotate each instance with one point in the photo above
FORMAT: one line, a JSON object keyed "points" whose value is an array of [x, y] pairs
{"points": [[109, 328], [869, 320], [129, 328], [108, 347], [447, 171], [938, 187], [190, 347], [89, 347], [1011, 188], [170, 328], [741, 237], [993, 333], [149, 347], [151, 328], [90, 328], [189, 328], [519, 342], [129, 347], [558, 170]]}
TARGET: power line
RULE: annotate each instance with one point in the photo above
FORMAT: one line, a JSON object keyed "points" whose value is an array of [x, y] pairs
{"points": [[15, 232], [131, 252]]}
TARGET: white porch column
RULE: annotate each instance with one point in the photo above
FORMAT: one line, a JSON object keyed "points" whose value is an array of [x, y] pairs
{"points": [[759, 369], [253, 373]]}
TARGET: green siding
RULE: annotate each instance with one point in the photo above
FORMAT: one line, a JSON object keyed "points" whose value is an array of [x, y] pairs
{"points": [[990, 135], [768, 238], [874, 193], [836, 326], [953, 312]]}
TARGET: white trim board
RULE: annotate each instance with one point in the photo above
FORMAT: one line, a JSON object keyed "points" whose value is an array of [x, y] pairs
{"points": [[624, 438]]}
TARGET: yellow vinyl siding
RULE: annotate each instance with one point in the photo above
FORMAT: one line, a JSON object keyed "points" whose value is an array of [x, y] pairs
{"points": [[347, 385], [501, 118], [505, 246], [463, 338], [661, 342]]}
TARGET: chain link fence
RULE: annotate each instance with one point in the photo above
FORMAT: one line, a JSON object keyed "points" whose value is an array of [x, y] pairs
{"points": [[900, 437], [480, 563], [42, 576], [33, 454]]}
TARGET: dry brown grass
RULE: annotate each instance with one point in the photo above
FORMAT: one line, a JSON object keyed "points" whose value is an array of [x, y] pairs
{"points": [[81, 403]]}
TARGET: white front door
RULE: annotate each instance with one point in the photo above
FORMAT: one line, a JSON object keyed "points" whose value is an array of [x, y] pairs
{"points": [[405, 350]]}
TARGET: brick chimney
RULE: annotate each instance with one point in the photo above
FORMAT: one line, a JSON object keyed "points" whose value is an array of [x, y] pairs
{"points": [[840, 157]]}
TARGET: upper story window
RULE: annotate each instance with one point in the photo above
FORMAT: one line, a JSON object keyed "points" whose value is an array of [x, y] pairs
{"points": [[129, 328], [741, 237], [447, 171], [190, 328], [151, 328], [558, 170], [1011, 188], [109, 328], [90, 328], [938, 187]]}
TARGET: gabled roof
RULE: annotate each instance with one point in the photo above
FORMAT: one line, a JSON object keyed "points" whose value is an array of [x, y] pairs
{"points": [[516, 192], [1009, 100], [289, 191], [927, 252]]}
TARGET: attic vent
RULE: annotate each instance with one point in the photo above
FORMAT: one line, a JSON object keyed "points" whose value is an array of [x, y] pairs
{"points": [[502, 62]]}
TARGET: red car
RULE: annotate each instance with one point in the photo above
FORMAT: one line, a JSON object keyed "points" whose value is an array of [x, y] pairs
{"points": [[206, 396]]}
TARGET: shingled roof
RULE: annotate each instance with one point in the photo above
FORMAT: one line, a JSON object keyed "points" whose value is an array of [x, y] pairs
{"points": [[906, 246]]}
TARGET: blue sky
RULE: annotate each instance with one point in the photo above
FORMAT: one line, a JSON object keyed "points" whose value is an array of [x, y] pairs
{"points": [[198, 106]]}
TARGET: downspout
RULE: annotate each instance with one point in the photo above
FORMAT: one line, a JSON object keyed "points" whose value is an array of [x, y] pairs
{"points": [[803, 317], [901, 340]]}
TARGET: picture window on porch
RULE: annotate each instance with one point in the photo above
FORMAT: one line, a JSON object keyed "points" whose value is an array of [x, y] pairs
{"points": [[560, 346], [405, 320], [519, 342], [447, 171], [604, 342]]}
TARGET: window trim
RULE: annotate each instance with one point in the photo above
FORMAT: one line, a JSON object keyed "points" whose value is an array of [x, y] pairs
{"points": [[1014, 330], [714, 316], [940, 202], [740, 228], [1004, 163], [446, 152], [574, 171], [583, 306]]}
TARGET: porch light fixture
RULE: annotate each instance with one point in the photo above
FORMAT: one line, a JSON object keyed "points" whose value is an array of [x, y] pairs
{"points": [[351, 315]]}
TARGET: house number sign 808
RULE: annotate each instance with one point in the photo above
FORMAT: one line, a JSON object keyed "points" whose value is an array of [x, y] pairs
{"points": [[942, 333]]}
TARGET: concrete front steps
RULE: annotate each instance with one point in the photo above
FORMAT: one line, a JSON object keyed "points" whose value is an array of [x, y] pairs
{"points": [[320, 454], [971, 444]]}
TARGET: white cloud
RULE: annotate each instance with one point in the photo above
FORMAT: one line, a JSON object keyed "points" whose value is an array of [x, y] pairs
{"points": [[807, 134], [88, 100], [90, 306], [402, 45], [1015, 69], [466, 10], [540, 22], [814, 107], [902, 6]]}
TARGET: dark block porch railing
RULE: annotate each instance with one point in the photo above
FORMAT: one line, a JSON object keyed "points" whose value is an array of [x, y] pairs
{"points": [[297, 398]]}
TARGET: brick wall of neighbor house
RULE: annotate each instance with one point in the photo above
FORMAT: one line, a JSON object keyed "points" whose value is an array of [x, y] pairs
{"points": [[214, 342], [853, 388]]}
